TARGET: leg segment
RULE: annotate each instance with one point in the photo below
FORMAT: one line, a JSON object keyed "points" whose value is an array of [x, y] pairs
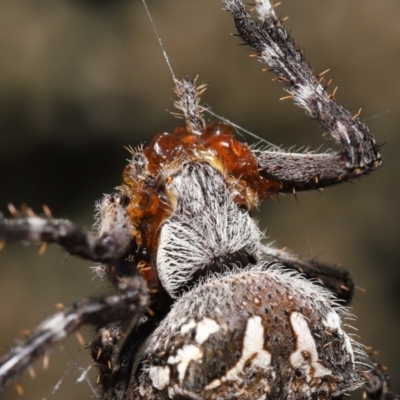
{"points": [[63, 232], [129, 304], [110, 245], [377, 385], [331, 276], [103, 346], [360, 153], [303, 171]]}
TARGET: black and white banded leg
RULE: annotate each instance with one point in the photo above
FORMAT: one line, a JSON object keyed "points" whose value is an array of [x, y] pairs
{"points": [[296, 172]]}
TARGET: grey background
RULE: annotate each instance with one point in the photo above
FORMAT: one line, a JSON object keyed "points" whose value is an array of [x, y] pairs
{"points": [[81, 79]]}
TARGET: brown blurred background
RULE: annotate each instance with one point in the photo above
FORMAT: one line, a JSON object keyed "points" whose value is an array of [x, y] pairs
{"points": [[81, 79]]}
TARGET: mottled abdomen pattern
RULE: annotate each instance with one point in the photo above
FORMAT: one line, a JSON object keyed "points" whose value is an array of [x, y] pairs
{"points": [[256, 334]]}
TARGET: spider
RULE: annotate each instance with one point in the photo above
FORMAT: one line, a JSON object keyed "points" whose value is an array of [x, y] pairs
{"points": [[208, 311]]}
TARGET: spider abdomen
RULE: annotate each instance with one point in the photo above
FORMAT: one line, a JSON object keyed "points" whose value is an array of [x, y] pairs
{"points": [[259, 334]]}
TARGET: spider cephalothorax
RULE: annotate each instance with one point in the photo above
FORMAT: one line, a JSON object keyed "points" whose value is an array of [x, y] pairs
{"points": [[212, 312]]}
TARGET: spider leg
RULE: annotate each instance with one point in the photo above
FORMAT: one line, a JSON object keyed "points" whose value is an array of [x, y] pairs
{"points": [[377, 385], [334, 278], [304, 171], [103, 346], [274, 46], [128, 304], [63, 232], [110, 247], [111, 243], [189, 104]]}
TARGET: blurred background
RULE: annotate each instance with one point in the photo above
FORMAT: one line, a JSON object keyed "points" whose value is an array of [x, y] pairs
{"points": [[79, 80]]}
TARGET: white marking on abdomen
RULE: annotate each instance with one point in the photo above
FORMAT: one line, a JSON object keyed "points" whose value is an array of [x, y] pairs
{"points": [[184, 356], [305, 344], [253, 347], [333, 322], [159, 376], [205, 328]]}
